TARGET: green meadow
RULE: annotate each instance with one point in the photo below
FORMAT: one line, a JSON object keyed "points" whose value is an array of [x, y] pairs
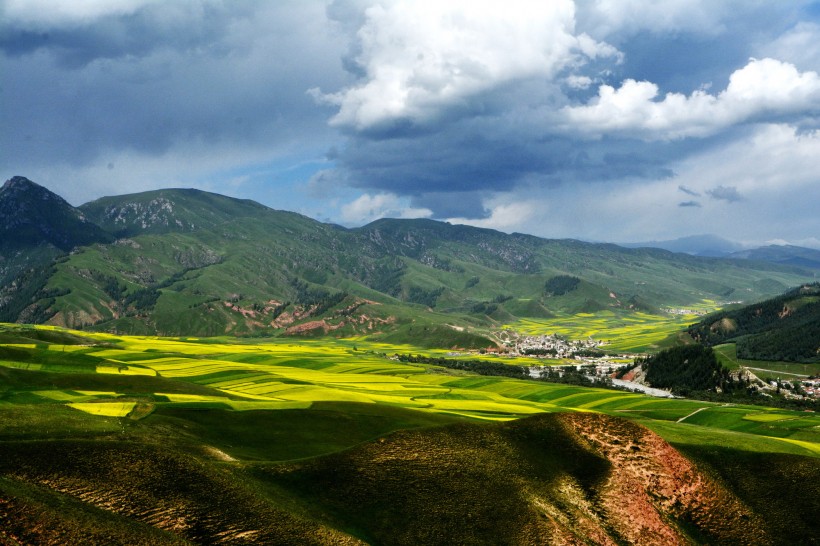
{"points": [[55, 381]]}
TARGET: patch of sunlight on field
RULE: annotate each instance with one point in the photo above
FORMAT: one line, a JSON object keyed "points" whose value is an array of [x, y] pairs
{"points": [[63, 396], [242, 405], [814, 448], [323, 394], [67, 348], [107, 409], [769, 417], [484, 406], [605, 399], [238, 405], [125, 370]]}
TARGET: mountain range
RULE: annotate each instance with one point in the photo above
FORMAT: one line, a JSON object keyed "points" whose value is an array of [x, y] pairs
{"points": [[188, 262], [718, 247]]}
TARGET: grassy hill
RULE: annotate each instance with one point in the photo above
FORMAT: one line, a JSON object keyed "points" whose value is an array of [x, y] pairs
{"points": [[545, 479], [187, 262]]}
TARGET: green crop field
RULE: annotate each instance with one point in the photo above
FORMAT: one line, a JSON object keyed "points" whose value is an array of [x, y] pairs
{"points": [[621, 331], [139, 378]]}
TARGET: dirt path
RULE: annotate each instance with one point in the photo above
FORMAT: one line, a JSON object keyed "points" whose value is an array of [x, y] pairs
{"points": [[682, 419], [776, 372]]}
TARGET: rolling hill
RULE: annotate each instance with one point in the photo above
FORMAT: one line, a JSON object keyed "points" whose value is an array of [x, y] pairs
{"points": [[551, 478], [187, 262]]}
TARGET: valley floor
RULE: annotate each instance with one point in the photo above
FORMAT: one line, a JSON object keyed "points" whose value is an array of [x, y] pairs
{"points": [[88, 419]]}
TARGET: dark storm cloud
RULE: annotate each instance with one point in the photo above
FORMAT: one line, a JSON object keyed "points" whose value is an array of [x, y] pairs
{"points": [[725, 193], [474, 158], [689, 191], [133, 35], [164, 76]]}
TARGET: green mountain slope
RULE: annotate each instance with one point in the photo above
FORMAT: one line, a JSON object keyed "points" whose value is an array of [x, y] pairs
{"points": [[187, 262], [782, 328]]}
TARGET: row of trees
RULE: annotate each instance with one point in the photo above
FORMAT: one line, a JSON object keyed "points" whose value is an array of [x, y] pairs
{"points": [[480, 367]]}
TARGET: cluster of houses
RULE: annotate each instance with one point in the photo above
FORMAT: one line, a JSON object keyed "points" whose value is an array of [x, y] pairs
{"points": [[812, 388], [549, 346], [697, 312], [797, 389]]}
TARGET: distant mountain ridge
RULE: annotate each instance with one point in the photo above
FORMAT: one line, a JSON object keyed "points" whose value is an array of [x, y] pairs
{"points": [[718, 247], [696, 245], [188, 262], [782, 254], [36, 227]]}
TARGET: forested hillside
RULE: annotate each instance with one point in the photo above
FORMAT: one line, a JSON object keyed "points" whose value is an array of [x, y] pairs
{"points": [[685, 369], [783, 328]]}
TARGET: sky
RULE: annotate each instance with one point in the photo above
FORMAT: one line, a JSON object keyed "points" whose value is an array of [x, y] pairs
{"points": [[600, 120]]}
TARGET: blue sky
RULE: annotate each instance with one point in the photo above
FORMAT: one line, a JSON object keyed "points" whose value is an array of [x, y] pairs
{"points": [[607, 120]]}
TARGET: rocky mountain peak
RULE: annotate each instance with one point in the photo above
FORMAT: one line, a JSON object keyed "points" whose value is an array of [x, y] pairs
{"points": [[17, 186], [31, 215]]}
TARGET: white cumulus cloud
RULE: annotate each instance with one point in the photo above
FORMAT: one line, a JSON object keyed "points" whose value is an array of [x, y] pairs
{"points": [[764, 88], [503, 217], [419, 58], [367, 208]]}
